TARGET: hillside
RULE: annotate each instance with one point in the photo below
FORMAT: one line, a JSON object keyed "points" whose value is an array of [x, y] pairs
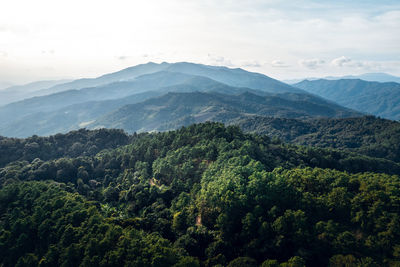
{"points": [[367, 135], [173, 110], [379, 99], [72, 144], [199, 196]]}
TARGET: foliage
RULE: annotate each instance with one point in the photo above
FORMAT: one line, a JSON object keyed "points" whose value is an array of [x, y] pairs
{"points": [[204, 195], [73, 144], [366, 135]]}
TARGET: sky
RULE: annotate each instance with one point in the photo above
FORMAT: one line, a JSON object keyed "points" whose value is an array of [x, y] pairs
{"points": [[54, 39]]}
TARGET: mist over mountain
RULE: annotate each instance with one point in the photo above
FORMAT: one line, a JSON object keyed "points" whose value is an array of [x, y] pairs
{"points": [[4, 85], [371, 77], [19, 92], [86, 107], [380, 99]]}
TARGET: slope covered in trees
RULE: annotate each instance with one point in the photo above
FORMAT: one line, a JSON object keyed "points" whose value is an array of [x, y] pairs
{"points": [[366, 135], [201, 196], [72, 144]]}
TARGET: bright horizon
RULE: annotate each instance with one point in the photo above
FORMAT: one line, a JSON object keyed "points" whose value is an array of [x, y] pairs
{"points": [[41, 40]]}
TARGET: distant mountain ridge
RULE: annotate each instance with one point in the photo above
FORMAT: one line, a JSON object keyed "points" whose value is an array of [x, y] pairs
{"points": [[93, 100], [370, 77], [233, 77], [20, 92], [4, 85], [380, 99]]}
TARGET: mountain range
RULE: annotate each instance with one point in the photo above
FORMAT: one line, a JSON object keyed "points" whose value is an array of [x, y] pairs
{"points": [[291, 179], [379, 99], [165, 96], [371, 77], [19, 92], [113, 100], [173, 110]]}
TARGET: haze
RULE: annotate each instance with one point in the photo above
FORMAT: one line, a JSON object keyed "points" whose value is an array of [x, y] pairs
{"points": [[284, 39]]}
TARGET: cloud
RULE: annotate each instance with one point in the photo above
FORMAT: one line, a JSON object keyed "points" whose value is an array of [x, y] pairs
{"points": [[122, 57], [348, 62], [342, 61], [252, 64], [312, 63], [51, 51], [381, 66], [17, 29], [220, 61], [279, 64]]}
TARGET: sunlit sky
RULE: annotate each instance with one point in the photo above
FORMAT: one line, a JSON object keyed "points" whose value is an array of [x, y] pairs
{"points": [[52, 39]]}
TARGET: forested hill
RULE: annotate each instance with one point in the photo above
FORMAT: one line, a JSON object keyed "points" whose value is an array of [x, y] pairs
{"points": [[366, 135], [201, 196], [379, 99], [73, 144], [174, 110]]}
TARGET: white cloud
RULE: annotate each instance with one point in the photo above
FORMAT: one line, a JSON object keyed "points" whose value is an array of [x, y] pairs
{"points": [[279, 64], [311, 63], [360, 64], [342, 61], [276, 33], [251, 64], [220, 61]]}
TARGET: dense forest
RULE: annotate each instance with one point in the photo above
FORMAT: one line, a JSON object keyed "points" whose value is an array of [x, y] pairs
{"points": [[368, 135], [203, 195], [73, 144]]}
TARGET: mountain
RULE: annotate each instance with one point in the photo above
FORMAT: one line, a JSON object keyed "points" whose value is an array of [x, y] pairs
{"points": [[73, 109], [85, 107], [380, 99], [141, 78], [371, 77], [19, 92], [68, 118], [4, 85], [52, 102], [173, 110], [122, 75], [366, 135], [233, 77]]}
